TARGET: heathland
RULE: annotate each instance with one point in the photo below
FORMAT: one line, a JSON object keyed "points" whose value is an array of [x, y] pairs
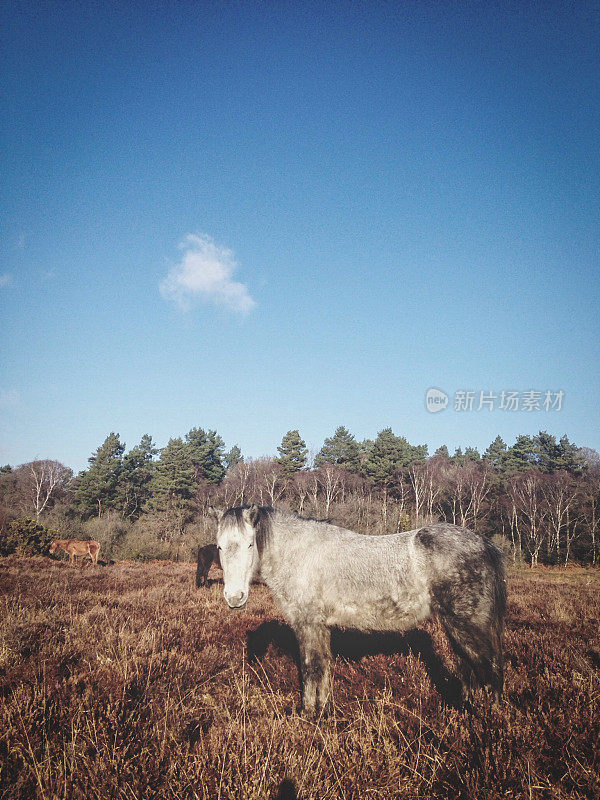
{"points": [[125, 681]]}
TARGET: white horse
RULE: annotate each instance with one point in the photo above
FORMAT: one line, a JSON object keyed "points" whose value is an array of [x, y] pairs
{"points": [[324, 577]]}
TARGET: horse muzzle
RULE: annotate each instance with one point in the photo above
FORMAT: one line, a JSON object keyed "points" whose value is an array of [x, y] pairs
{"points": [[236, 599]]}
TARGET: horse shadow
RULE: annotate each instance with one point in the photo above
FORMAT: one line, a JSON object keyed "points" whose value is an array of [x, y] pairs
{"points": [[355, 645], [286, 791]]}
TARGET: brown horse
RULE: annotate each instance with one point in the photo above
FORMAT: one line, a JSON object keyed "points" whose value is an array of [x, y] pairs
{"points": [[77, 547]]}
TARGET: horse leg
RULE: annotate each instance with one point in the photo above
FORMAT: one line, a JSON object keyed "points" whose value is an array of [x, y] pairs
{"points": [[478, 654], [201, 572], [315, 666]]}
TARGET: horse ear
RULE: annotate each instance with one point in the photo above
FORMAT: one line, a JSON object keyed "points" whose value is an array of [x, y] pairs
{"points": [[215, 513], [251, 515]]}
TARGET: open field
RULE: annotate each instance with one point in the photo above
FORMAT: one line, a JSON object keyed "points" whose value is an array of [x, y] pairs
{"points": [[128, 682]]}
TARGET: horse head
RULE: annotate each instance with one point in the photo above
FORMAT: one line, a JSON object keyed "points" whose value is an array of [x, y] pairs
{"points": [[238, 553]]}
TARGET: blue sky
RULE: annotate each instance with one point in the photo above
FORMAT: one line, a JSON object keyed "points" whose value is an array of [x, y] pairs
{"points": [[256, 217]]}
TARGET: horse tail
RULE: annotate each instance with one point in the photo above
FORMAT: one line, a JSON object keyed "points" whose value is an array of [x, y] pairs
{"points": [[499, 595]]}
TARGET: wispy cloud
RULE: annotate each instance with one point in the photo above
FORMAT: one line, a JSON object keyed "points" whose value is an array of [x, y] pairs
{"points": [[205, 271], [5, 279]]}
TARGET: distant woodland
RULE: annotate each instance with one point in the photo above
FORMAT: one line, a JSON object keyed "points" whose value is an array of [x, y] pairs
{"points": [[539, 498]]}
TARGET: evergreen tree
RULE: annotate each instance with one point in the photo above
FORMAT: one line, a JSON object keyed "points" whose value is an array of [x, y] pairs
{"points": [[546, 451], [97, 487], [472, 454], [206, 454], [496, 453], [365, 448], [342, 448], [570, 457], [173, 481], [442, 452], [233, 457], [521, 456], [418, 452], [136, 477], [553, 456], [172, 491], [389, 454], [458, 456], [293, 454]]}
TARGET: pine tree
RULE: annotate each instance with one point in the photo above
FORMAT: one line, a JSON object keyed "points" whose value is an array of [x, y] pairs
{"points": [[521, 456], [205, 451], [570, 457], [496, 453], [342, 448], [97, 487], [418, 452], [293, 454], [458, 456], [173, 481], [172, 491], [442, 452], [365, 448], [389, 454], [233, 457], [546, 451], [472, 454], [136, 477], [553, 456]]}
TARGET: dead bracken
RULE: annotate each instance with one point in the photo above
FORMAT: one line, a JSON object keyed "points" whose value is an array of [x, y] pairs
{"points": [[127, 681]]}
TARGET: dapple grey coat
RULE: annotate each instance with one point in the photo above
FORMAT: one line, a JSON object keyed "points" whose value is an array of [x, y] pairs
{"points": [[323, 576]]}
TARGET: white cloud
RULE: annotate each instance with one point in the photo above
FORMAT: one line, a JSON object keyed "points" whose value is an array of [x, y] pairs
{"points": [[205, 271], [5, 279]]}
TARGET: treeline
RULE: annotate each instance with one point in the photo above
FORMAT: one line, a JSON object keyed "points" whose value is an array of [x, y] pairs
{"points": [[539, 496]]}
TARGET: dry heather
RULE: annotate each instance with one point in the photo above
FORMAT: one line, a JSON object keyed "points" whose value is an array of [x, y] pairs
{"points": [[127, 682]]}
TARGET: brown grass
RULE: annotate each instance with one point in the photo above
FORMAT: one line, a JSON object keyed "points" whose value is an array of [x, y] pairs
{"points": [[127, 682]]}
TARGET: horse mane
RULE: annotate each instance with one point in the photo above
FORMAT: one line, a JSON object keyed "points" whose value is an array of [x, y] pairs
{"points": [[263, 525], [265, 518]]}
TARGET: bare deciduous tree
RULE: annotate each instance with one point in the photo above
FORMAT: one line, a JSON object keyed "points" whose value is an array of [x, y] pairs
{"points": [[236, 484], [47, 481], [591, 506], [331, 478], [300, 488], [267, 481], [527, 493], [559, 493]]}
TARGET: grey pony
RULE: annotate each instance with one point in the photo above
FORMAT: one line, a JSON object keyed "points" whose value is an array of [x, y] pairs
{"points": [[324, 577]]}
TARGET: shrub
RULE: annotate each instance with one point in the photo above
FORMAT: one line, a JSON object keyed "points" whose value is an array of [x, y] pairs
{"points": [[142, 542], [109, 531], [26, 536]]}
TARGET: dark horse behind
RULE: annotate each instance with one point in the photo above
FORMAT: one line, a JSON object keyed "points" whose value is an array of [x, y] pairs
{"points": [[207, 556]]}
